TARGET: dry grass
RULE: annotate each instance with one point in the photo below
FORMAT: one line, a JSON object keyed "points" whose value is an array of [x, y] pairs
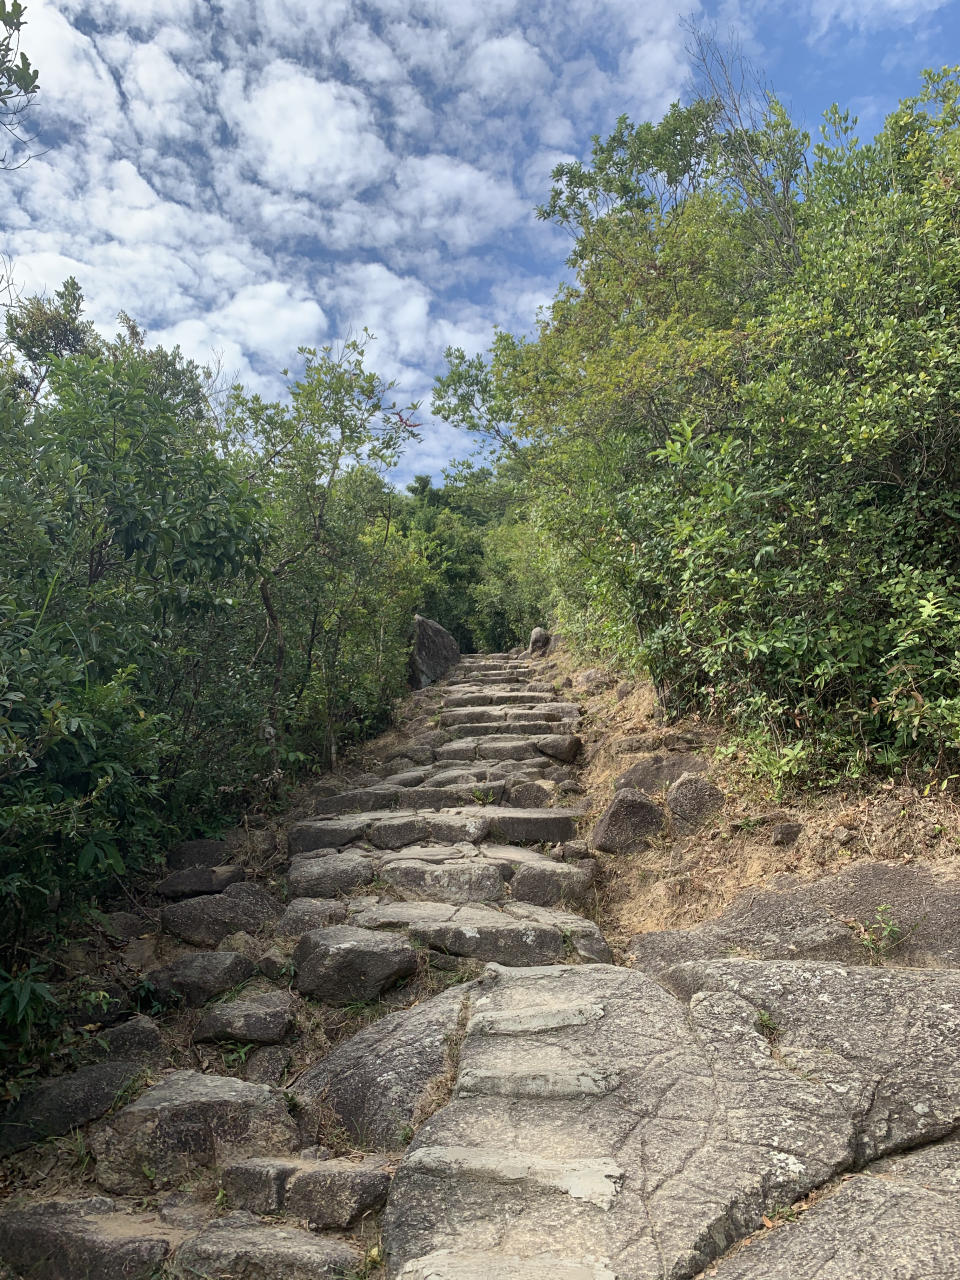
{"points": [[678, 881], [439, 1091]]}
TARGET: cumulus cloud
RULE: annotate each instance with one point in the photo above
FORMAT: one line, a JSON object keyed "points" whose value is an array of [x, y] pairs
{"points": [[303, 134], [250, 176]]}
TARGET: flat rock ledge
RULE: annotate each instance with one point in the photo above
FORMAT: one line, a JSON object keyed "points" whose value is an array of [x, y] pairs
{"points": [[600, 1122]]}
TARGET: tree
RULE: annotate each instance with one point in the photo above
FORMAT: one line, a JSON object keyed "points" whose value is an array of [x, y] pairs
{"points": [[18, 79]]}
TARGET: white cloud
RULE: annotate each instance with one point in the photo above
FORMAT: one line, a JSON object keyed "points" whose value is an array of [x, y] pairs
{"points": [[454, 202], [303, 134], [248, 176], [870, 14], [506, 66]]}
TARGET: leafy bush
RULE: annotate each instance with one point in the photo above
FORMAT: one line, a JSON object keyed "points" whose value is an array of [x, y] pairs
{"points": [[740, 424]]}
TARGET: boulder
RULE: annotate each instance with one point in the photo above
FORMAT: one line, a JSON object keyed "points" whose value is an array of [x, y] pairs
{"points": [[660, 769], [273, 964], [376, 1083], [269, 1064], [433, 654], [187, 1123], [138, 1039], [304, 914], [692, 800], [559, 746], [342, 964], [327, 877], [530, 795], [65, 1102], [191, 882], [205, 921], [627, 823], [91, 1239], [260, 1018], [202, 976], [539, 642]]}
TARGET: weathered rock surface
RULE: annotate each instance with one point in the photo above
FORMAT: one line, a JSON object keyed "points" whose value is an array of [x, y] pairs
{"points": [[303, 914], [519, 934], [433, 654], [627, 823], [560, 746], [376, 1083], [325, 1193], [693, 799], [191, 882], [239, 1248], [137, 1040], [205, 974], [205, 921], [326, 877], [186, 1123], [639, 1135], [65, 1102], [824, 919], [89, 1239], [900, 1219], [268, 1065], [659, 770], [259, 1018], [341, 964]]}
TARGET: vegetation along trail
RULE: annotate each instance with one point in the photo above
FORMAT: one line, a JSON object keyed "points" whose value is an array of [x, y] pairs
{"points": [[342, 942]]}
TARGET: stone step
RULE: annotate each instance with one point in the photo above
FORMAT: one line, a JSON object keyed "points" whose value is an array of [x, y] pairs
{"points": [[600, 1115], [484, 697], [328, 1194], [508, 678], [97, 1238], [488, 873], [494, 713], [594, 1180], [466, 773], [445, 826], [341, 964], [459, 873], [532, 727], [461, 1264], [91, 1238], [519, 934], [238, 1245], [186, 1122], [371, 799]]}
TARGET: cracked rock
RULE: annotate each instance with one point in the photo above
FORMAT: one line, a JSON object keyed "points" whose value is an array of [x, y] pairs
{"points": [[343, 963], [186, 1123], [643, 1133]]}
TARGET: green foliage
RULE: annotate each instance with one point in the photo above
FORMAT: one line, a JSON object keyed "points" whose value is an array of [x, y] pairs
{"points": [[739, 426], [18, 79], [177, 588], [481, 582]]}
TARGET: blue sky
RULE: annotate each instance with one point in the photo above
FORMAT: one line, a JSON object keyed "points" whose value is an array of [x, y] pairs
{"points": [[248, 176]]}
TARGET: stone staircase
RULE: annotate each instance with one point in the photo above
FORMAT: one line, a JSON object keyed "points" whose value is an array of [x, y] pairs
{"points": [[459, 855], [546, 1114]]}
